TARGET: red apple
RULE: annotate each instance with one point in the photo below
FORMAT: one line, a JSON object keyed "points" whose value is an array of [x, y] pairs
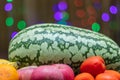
{"points": [[25, 72], [47, 72], [66, 70]]}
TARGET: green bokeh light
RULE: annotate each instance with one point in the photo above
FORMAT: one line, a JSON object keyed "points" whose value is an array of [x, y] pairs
{"points": [[9, 21], [21, 24], [96, 27], [9, 0], [114, 25], [65, 16]]}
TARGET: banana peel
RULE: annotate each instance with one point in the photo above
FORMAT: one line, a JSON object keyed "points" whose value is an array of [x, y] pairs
{"points": [[4, 61]]}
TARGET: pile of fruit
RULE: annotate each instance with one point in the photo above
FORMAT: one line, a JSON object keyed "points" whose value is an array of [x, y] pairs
{"points": [[60, 52], [93, 68]]}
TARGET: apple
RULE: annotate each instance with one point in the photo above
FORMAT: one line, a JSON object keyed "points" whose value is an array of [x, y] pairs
{"points": [[53, 72], [66, 70], [47, 72], [25, 72]]}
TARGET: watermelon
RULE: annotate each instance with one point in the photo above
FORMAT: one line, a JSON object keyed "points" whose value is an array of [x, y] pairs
{"points": [[50, 43]]}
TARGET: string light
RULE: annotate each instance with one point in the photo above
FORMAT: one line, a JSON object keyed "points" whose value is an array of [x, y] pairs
{"points": [[58, 15], [113, 9], [13, 34], [105, 17], [21, 24], [81, 13], [62, 5], [9, 21], [9, 0], [96, 27], [97, 5], [55, 8], [62, 22], [8, 7], [78, 3]]}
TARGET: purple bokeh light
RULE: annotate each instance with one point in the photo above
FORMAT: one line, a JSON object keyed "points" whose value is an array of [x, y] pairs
{"points": [[62, 5], [8, 7], [58, 15], [97, 6], [113, 9], [55, 8], [13, 34], [105, 17]]}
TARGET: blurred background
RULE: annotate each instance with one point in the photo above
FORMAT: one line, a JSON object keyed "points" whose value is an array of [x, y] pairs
{"points": [[102, 16]]}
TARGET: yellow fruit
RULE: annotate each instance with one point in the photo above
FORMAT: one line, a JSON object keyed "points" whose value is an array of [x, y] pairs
{"points": [[8, 72], [4, 61]]}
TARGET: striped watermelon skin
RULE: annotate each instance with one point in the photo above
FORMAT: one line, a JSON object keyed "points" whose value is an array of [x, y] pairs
{"points": [[55, 43]]}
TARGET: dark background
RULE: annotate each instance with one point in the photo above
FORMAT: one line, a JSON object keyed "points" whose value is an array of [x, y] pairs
{"points": [[41, 11]]}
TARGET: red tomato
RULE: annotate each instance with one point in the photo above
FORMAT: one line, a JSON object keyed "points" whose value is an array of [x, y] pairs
{"points": [[106, 76], [113, 72], [84, 76], [93, 65]]}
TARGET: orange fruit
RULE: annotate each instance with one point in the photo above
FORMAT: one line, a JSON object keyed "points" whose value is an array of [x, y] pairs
{"points": [[113, 72], [106, 76], [8, 72], [84, 76]]}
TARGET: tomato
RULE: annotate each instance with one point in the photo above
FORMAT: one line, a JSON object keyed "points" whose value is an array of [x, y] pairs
{"points": [[93, 65], [113, 72], [84, 76], [106, 76]]}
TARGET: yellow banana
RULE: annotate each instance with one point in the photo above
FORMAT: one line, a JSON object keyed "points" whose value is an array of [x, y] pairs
{"points": [[4, 61]]}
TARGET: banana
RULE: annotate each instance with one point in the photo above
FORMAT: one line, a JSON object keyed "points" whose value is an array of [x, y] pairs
{"points": [[4, 61]]}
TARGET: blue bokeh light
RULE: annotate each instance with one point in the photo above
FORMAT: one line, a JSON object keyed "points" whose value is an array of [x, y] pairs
{"points": [[55, 8]]}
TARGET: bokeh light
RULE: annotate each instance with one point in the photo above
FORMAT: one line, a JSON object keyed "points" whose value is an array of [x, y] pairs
{"points": [[62, 22], [78, 3], [8, 7], [62, 5], [9, 21], [91, 11], [9, 0], [96, 27], [114, 24], [21, 24], [13, 34], [58, 15], [113, 9], [81, 13], [105, 17], [55, 8], [91, 20], [65, 15], [97, 5]]}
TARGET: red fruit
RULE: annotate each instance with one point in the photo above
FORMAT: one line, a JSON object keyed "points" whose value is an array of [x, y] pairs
{"points": [[106, 76], [47, 72], [25, 72], [84, 76], [53, 72], [113, 72], [66, 71], [93, 65]]}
